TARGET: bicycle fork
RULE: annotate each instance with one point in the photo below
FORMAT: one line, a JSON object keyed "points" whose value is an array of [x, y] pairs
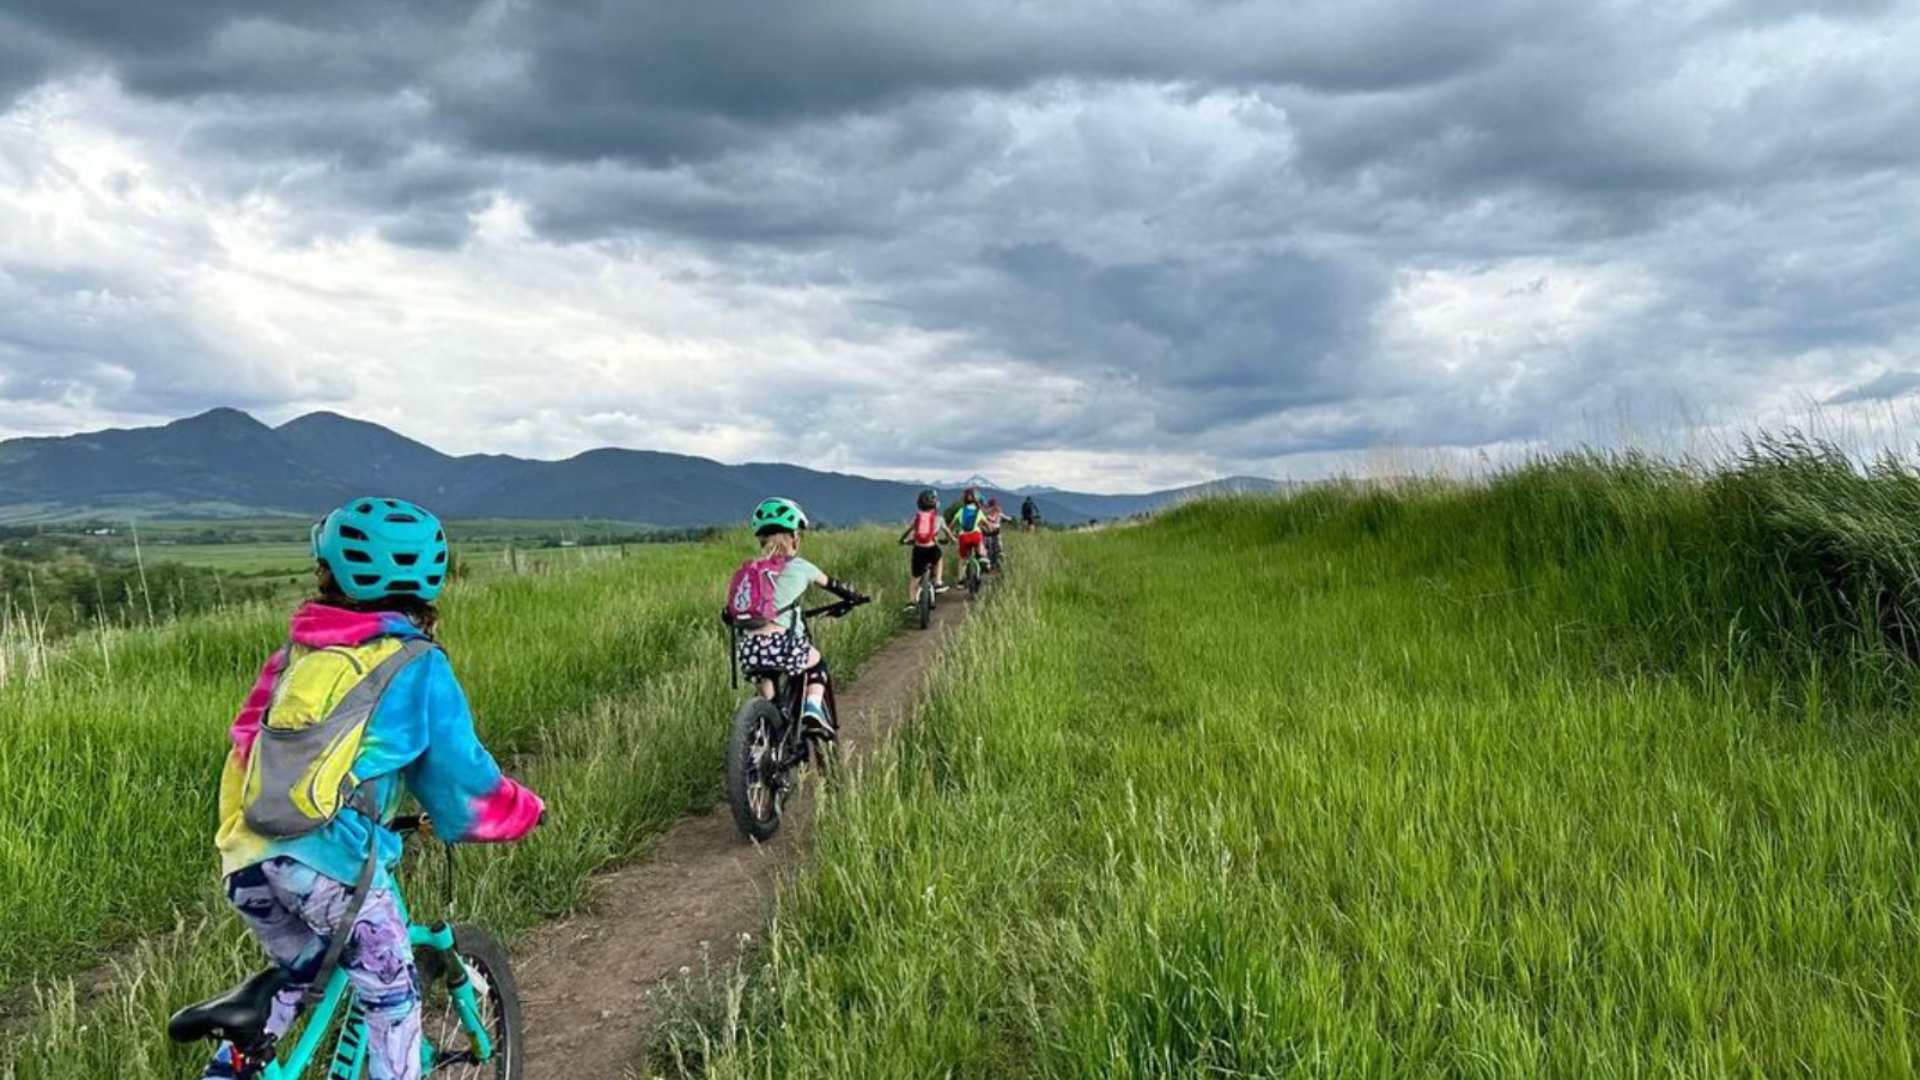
{"points": [[466, 1000]]}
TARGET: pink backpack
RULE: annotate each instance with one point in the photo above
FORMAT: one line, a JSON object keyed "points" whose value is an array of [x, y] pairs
{"points": [[750, 600]]}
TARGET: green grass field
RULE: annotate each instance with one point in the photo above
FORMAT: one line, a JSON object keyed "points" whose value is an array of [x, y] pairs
{"points": [[1605, 770], [290, 559], [605, 686]]}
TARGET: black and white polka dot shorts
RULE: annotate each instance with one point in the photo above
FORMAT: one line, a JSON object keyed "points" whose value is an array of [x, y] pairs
{"points": [[785, 651]]}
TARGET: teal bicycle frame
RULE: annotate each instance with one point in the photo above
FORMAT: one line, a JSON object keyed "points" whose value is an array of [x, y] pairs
{"points": [[974, 570], [350, 1048]]}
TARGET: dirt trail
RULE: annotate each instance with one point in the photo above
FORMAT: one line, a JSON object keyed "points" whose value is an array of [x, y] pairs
{"points": [[590, 983]]}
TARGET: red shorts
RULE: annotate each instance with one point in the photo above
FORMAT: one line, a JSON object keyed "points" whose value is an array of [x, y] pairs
{"points": [[970, 542]]}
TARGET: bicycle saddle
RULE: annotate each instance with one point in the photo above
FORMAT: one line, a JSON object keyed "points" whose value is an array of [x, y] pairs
{"points": [[237, 1016]]}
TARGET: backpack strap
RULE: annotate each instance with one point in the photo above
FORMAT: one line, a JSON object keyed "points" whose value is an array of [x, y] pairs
{"points": [[363, 801], [343, 929]]}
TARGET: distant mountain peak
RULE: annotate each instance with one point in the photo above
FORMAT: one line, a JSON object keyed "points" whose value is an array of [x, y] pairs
{"points": [[221, 418], [974, 481], [319, 416]]}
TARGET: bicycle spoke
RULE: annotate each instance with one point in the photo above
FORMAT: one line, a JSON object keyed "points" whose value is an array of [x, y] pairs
{"points": [[760, 790]]}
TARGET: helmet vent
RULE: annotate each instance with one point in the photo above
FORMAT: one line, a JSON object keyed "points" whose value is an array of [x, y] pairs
{"points": [[356, 555], [364, 508], [402, 519], [350, 533], [440, 558], [406, 558], [366, 581], [403, 586], [434, 580]]}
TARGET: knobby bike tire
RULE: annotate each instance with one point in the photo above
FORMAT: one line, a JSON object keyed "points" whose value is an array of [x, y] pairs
{"points": [[926, 606], [753, 717], [499, 1005]]}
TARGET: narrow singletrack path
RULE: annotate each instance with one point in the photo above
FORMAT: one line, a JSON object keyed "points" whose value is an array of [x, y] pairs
{"points": [[591, 982]]}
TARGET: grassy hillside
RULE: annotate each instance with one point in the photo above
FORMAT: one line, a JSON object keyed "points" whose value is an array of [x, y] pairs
{"points": [[606, 687], [1602, 770]]}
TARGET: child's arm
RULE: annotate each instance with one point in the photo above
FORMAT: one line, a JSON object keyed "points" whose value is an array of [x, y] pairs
{"points": [[908, 534], [469, 799]]}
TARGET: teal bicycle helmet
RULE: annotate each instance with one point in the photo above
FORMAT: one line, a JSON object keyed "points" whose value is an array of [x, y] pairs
{"points": [[378, 548], [778, 515]]}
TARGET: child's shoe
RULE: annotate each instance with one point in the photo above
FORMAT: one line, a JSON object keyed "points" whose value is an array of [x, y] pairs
{"points": [[817, 724]]}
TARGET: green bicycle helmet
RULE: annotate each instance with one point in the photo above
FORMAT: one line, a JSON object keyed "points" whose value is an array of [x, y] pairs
{"points": [[778, 515], [378, 547]]}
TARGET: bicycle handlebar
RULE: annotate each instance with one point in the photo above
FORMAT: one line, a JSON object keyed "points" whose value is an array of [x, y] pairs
{"points": [[836, 609]]}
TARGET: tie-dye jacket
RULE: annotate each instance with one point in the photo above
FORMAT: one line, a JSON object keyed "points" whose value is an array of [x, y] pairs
{"points": [[420, 740]]}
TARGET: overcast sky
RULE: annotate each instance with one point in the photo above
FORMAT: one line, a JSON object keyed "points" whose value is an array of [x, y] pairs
{"points": [[1106, 243]]}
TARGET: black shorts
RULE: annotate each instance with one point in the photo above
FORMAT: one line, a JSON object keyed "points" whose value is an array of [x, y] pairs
{"points": [[925, 559]]}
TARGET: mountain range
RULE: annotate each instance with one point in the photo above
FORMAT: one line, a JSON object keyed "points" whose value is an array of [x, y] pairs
{"points": [[226, 463]]}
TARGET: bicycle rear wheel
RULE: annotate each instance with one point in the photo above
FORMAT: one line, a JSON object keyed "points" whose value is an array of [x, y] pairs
{"points": [[973, 576], [925, 605], [754, 769], [486, 966]]}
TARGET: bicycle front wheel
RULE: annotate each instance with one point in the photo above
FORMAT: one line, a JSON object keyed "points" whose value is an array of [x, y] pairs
{"points": [[455, 1053], [754, 769]]}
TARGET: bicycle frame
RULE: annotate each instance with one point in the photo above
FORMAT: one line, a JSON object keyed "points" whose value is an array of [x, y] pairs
{"points": [[976, 564], [350, 1048]]}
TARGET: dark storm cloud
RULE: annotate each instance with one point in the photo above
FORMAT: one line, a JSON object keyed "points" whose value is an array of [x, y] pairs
{"points": [[240, 47], [1883, 387], [1219, 339], [663, 82], [1197, 215]]}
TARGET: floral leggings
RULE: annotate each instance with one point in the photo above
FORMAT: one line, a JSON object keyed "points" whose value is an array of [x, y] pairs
{"points": [[293, 910]]}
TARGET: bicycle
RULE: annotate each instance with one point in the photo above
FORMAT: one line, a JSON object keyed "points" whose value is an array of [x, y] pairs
{"points": [[973, 573], [769, 740], [996, 554], [927, 597], [470, 1009]]}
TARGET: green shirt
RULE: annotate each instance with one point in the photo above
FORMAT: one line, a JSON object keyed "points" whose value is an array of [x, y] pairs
{"points": [[789, 587]]}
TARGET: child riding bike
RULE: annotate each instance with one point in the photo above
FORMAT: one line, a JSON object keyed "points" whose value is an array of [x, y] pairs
{"points": [[991, 525], [308, 867], [925, 531], [780, 643], [969, 521]]}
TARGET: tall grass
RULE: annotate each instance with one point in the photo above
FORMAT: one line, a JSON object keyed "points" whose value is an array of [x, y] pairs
{"points": [[1605, 768], [605, 687]]}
